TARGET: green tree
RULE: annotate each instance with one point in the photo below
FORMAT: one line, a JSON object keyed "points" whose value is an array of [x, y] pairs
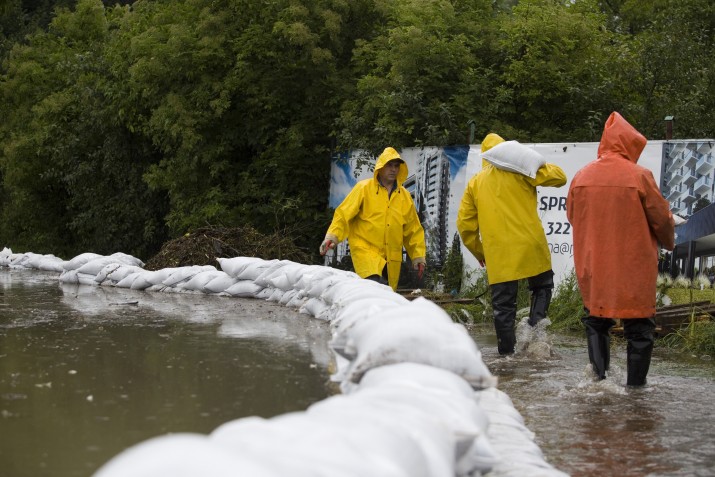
{"points": [[453, 270], [72, 176]]}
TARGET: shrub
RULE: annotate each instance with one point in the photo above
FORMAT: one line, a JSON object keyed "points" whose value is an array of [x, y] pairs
{"points": [[566, 309]]}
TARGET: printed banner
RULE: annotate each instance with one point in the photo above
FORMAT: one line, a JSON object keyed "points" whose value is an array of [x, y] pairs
{"points": [[437, 179]]}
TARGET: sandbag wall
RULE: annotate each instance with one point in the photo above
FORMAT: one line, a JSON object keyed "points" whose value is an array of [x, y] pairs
{"points": [[417, 399]]}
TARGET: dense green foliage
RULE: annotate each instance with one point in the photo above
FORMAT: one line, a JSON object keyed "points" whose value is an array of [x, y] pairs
{"points": [[126, 124]]}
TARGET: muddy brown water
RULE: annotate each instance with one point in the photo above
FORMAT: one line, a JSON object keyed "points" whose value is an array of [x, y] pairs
{"points": [[86, 372]]}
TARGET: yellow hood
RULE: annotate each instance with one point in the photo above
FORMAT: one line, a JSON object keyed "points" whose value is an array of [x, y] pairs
{"points": [[387, 155], [491, 140]]}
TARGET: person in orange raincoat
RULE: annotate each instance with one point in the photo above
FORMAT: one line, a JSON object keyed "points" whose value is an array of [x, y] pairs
{"points": [[499, 224], [378, 217], [619, 217]]}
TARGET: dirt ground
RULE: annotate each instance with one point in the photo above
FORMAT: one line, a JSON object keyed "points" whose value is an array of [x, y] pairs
{"points": [[203, 246]]}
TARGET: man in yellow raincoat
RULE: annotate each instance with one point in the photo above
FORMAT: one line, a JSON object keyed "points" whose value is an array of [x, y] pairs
{"points": [[500, 226], [619, 217], [378, 218]]}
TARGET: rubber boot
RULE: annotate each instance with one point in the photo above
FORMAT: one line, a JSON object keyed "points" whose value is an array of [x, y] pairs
{"points": [[599, 342], [541, 287], [639, 333], [504, 305], [540, 300]]}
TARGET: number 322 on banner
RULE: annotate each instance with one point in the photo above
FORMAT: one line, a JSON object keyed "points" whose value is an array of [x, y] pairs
{"points": [[558, 228]]}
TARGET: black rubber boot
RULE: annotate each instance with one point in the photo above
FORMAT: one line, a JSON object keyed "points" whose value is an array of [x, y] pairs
{"points": [[541, 287], [504, 305], [639, 333], [598, 339]]}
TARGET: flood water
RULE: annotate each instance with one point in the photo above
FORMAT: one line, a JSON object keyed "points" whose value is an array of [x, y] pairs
{"points": [[86, 372]]}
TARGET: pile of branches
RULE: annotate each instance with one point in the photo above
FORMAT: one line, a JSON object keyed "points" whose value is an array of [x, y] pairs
{"points": [[203, 246]]}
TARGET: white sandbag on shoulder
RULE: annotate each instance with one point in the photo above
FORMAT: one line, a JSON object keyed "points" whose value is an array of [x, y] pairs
{"points": [[182, 455], [515, 157], [244, 289], [420, 332], [80, 260], [220, 283], [298, 299], [265, 293]]}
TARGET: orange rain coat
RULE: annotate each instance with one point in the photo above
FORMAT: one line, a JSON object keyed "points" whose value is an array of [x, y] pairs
{"points": [[498, 219], [377, 226], [618, 217]]}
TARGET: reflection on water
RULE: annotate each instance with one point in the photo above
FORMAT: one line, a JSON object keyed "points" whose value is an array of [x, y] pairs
{"points": [[588, 428], [87, 371]]}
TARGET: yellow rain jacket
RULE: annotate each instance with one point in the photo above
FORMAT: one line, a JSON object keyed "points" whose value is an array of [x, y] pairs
{"points": [[377, 226], [499, 223]]}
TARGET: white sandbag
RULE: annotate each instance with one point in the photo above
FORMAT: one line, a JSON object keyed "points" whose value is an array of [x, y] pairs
{"points": [[416, 333], [254, 269], [273, 270], [48, 263], [298, 300], [113, 273], [5, 257], [127, 259], [358, 293], [276, 295], [182, 455], [80, 260], [184, 274], [68, 276], [480, 458], [314, 307], [288, 296], [220, 283], [236, 266], [244, 289], [21, 260], [95, 266], [128, 280], [302, 443], [435, 442], [264, 294], [286, 277], [199, 281], [418, 376], [515, 157]]}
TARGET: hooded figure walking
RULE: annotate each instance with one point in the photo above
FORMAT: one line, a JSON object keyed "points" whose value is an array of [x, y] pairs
{"points": [[619, 216], [378, 218], [500, 226]]}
